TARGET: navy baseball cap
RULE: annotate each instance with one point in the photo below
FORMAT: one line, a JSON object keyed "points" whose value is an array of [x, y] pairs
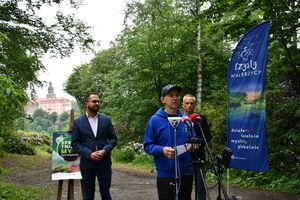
{"points": [[168, 88]]}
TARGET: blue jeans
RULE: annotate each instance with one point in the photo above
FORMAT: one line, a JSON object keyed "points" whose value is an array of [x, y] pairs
{"points": [[104, 180]]}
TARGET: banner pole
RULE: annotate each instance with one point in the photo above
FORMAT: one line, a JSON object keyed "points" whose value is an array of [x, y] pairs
{"points": [[71, 181], [228, 192]]}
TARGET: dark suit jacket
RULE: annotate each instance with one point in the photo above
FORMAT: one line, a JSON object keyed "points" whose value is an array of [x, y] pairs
{"points": [[84, 141], [205, 128]]}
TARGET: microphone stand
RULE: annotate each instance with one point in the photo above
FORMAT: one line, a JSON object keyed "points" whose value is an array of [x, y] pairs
{"points": [[197, 164], [216, 170], [174, 121], [176, 166]]}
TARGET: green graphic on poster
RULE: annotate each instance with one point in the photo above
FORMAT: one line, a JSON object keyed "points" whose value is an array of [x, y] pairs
{"points": [[65, 162]]}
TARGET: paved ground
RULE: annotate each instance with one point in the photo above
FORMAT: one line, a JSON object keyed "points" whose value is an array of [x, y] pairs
{"points": [[127, 184]]}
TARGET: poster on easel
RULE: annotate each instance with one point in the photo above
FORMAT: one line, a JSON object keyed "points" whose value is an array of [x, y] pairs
{"points": [[65, 162]]}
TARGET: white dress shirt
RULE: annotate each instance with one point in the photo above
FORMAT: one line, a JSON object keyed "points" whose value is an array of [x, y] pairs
{"points": [[93, 122]]}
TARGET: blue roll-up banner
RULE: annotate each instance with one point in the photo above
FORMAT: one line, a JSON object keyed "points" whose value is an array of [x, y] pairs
{"points": [[247, 101]]}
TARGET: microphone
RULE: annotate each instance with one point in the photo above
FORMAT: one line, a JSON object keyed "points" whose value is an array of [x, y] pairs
{"points": [[195, 117], [174, 121], [186, 120]]}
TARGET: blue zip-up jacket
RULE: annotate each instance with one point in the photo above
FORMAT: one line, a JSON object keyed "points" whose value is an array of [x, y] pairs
{"points": [[159, 134]]}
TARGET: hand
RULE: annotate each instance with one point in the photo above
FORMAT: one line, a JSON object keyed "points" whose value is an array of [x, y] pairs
{"points": [[169, 152], [98, 155], [101, 153]]}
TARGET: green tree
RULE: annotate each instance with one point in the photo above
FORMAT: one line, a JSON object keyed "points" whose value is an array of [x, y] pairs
{"points": [[232, 19], [42, 121], [157, 46], [92, 77], [25, 37], [40, 113], [12, 104], [53, 117], [64, 117]]}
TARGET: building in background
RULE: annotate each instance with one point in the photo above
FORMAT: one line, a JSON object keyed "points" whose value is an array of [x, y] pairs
{"points": [[49, 104]]}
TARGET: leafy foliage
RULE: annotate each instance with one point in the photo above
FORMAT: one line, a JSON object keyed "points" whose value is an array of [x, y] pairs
{"points": [[25, 37], [157, 47], [272, 180], [1, 148], [42, 121], [15, 144], [133, 153], [25, 143], [12, 103]]}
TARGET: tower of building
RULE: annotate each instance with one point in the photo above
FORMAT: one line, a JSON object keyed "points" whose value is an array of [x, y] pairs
{"points": [[49, 104], [51, 93]]}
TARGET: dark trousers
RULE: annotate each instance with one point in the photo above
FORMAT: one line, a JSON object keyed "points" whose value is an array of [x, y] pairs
{"points": [[104, 179], [200, 183], [166, 188]]}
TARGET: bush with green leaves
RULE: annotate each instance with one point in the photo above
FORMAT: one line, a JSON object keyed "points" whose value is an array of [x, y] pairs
{"points": [[144, 160], [121, 155], [1, 147], [36, 139], [271, 180], [133, 153], [13, 143], [43, 121], [13, 100]]}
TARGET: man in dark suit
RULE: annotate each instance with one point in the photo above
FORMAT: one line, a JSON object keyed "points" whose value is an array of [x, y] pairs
{"points": [[189, 105], [93, 137]]}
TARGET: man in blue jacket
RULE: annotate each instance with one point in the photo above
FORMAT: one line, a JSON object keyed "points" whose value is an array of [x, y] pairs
{"points": [[93, 137], [159, 142]]}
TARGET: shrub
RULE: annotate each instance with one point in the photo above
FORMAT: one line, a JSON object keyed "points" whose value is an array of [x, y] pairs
{"points": [[1, 147], [45, 148], [14, 144], [144, 160], [2, 170], [37, 139], [128, 153], [120, 155], [271, 180]]}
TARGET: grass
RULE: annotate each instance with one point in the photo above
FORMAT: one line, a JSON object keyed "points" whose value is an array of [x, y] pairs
{"points": [[2, 170], [9, 191], [41, 153], [23, 192]]}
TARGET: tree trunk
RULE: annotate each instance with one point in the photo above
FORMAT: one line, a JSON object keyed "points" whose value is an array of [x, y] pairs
{"points": [[199, 61]]}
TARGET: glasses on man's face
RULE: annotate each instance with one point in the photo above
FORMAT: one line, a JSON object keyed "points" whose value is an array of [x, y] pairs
{"points": [[94, 101]]}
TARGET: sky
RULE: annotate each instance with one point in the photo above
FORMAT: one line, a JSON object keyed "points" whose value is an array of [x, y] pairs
{"points": [[106, 17]]}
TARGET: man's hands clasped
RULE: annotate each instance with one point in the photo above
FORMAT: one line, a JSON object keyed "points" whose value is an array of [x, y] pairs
{"points": [[98, 155]]}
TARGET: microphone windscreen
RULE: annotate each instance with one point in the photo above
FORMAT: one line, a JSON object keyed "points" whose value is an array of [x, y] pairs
{"points": [[195, 117], [186, 120]]}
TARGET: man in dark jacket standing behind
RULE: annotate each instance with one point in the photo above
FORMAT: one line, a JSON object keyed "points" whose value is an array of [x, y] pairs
{"points": [[189, 105], [93, 137]]}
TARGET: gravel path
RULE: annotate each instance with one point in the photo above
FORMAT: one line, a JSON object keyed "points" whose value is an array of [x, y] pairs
{"points": [[127, 184]]}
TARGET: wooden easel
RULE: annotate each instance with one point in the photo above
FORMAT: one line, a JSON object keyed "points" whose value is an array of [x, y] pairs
{"points": [[70, 181]]}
